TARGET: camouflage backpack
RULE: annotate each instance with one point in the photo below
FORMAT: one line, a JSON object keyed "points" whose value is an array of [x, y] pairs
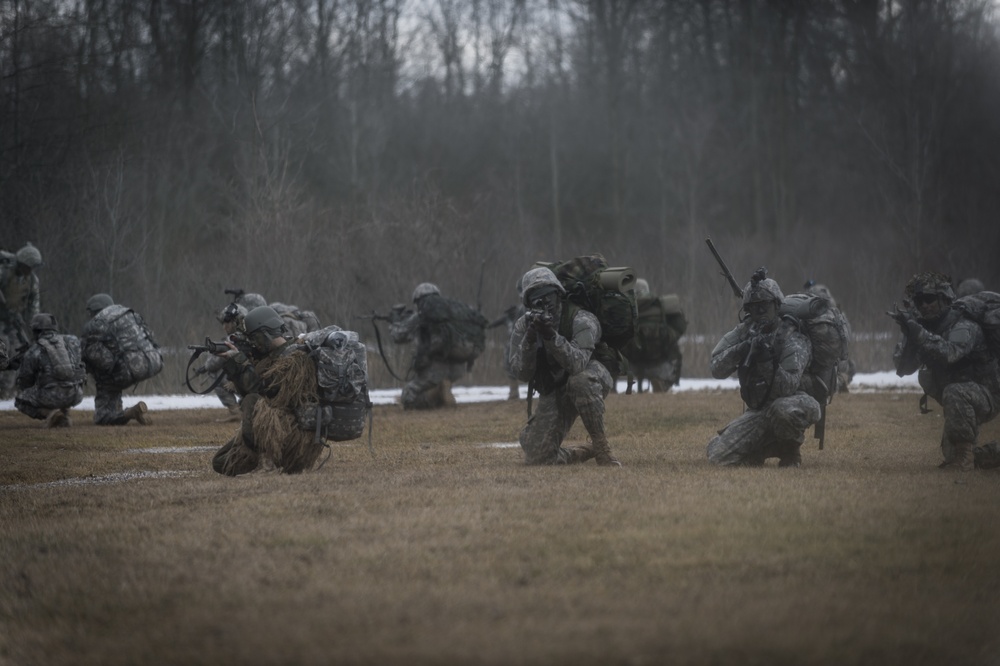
{"points": [[606, 292], [661, 323], [828, 331], [65, 357], [120, 349], [342, 384], [455, 331], [298, 322], [984, 308]]}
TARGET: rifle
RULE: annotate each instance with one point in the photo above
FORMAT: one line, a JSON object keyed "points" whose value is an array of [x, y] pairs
{"points": [[212, 347], [376, 317], [235, 293], [508, 315], [725, 269]]}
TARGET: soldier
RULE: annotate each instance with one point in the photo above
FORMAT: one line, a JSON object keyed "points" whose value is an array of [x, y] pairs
{"points": [[19, 302], [274, 383], [51, 374], [654, 353], [231, 317], [954, 365], [105, 361], [449, 336], [968, 287], [552, 348], [507, 320], [770, 356], [846, 368]]}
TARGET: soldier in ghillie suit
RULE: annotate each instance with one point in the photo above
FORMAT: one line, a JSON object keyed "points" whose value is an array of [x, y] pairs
{"points": [[449, 336], [104, 354], [51, 374], [955, 366], [19, 302], [552, 348], [275, 384], [770, 356]]}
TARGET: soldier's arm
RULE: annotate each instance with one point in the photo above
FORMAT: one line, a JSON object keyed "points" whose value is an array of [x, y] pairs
{"points": [[523, 350], [794, 357], [574, 354], [731, 350], [957, 343], [404, 329]]}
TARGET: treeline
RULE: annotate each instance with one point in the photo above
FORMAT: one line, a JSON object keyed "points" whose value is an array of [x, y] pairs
{"points": [[334, 153]]}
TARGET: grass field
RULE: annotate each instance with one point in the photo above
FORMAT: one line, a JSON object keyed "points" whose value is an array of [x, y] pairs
{"points": [[121, 546]]}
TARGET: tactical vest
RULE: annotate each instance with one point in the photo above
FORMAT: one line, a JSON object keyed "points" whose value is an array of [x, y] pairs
{"points": [[549, 375]]}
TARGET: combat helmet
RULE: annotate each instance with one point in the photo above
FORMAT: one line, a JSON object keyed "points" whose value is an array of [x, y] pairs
{"points": [[930, 282], [263, 317], [537, 281], [43, 321], [29, 256], [98, 302], [232, 312], [641, 288], [424, 289], [762, 288], [251, 301], [969, 286]]}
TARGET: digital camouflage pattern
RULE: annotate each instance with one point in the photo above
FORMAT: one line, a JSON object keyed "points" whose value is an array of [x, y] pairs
{"points": [[20, 300], [571, 381], [954, 367], [51, 375], [770, 369]]}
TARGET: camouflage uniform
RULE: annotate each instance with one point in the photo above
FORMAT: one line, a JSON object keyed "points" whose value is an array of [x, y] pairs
{"points": [[269, 432], [430, 377], [770, 357], [510, 315], [665, 372], [953, 364], [557, 360], [108, 406], [51, 374], [19, 302]]}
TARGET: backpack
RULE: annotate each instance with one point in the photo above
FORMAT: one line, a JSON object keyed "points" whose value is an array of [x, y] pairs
{"points": [[342, 384], [607, 293], [120, 349], [984, 308], [65, 357], [298, 322], [661, 323], [828, 331], [454, 331]]}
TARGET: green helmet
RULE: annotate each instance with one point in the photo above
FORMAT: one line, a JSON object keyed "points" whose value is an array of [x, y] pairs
{"points": [[43, 321], [98, 302], [29, 256], [263, 317], [424, 289]]}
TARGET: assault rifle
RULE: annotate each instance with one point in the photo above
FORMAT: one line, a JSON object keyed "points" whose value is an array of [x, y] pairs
{"points": [[209, 384], [725, 269], [375, 317]]}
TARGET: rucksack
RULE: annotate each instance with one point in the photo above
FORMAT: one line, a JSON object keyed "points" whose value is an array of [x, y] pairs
{"points": [[828, 331], [120, 349], [661, 323], [453, 330], [297, 321], [65, 357], [607, 293], [984, 308], [342, 384]]}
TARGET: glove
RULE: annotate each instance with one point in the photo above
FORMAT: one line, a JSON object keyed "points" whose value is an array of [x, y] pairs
{"points": [[901, 317]]}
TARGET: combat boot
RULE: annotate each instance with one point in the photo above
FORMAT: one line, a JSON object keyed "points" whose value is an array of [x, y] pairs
{"points": [[515, 391], [235, 414], [57, 418], [447, 398], [791, 455], [137, 412], [579, 454], [963, 459], [602, 452]]}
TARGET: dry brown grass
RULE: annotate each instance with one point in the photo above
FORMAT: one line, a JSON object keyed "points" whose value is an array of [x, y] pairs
{"points": [[441, 550]]}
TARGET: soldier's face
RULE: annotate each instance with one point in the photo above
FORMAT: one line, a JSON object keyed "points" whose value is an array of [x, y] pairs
{"points": [[761, 312], [549, 303], [930, 306]]}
